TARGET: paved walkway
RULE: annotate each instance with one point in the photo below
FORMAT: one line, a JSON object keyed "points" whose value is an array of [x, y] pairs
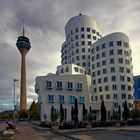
{"points": [[27, 131]]}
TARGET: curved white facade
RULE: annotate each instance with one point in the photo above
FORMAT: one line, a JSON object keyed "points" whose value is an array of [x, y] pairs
{"points": [[111, 66], [80, 31]]}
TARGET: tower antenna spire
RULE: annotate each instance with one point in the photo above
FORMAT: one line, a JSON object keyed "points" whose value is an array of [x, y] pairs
{"points": [[23, 28]]}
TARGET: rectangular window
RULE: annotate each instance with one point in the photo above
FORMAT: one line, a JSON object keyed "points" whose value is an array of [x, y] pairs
{"points": [[103, 46], [111, 52], [115, 96], [112, 69], [76, 69], [98, 64], [83, 43], [122, 87], [82, 35], [121, 69], [79, 86], [114, 87], [104, 71], [72, 99], [98, 56], [122, 78], [123, 96], [77, 50], [69, 85], [76, 30], [105, 79], [103, 54], [111, 44], [76, 37], [92, 50], [82, 29], [99, 80], [77, 44], [107, 96], [100, 89], [93, 31], [61, 99], [120, 61], [59, 85], [106, 88], [83, 57], [98, 72], [49, 84], [83, 50], [113, 78], [89, 36], [95, 90], [88, 29], [89, 42], [51, 98], [81, 100], [119, 52], [111, 60], [119, 43], [97, 48], [103, 62], [94, 37]]}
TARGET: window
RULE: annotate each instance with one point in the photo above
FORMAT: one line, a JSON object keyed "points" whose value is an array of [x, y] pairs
{"points": [[51, 98], [72, 99], [70, 85], [112, 69], [98, 56], [122, 87], [76, 69], [77, 58], [76, 37], [128, 79], [79, 86], [61, 98], [115, 105], [97, 48], [103, 46], [98, 72], [83, 43], [107, 96], [89, 42], [88, 29], [98, 64], [77, 50], [81, 100], [104, 71], [93, 31], [120, 60], [119, 43], [96, 98], [93, 58], [59, 85], [94, 82], [103, 62], [101, 97], [76, 30], [123, 96], [94, 37], [95, 90], [114, 87], [82, 29], [128, 70], [99, 80], [121, 69], [83, 57], [126, 44], [93, 74], [84, 64], [92, 50], [82, 35], [105, 79], [83, 50], [67, 69], [89, 36], [49, 84], [103, 54], [100, 88], [122, 78], [111, 60], [115, 96], [111, 44], [113, 78], [129, 88], [77, 43], [119, 52], [111, 52], [106, 88]]}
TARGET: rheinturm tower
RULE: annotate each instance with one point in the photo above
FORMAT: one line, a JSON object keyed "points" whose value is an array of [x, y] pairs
{"points": [[23, 45]]}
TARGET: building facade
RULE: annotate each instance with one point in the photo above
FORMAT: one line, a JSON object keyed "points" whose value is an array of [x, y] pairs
{"points": [[111, 67], [54, 90], [137, 92], [81, 31], [102, 64]]}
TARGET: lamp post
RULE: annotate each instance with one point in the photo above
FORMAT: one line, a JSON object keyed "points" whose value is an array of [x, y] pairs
{"points": [[15, 80]]}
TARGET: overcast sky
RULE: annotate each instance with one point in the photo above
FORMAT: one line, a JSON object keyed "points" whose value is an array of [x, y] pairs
{"points": [[45, 21]]}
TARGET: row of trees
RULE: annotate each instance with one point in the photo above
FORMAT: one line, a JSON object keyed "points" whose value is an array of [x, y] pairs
{"points": [[90, 116]]}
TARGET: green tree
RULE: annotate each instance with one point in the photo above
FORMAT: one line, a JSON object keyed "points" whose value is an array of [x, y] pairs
{"points": [[125, 111], [34, 111], [90, 117], [103, 111], [134, 114]]}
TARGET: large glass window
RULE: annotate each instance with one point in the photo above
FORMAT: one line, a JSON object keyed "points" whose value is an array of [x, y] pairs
{"points": [[79, 86], [81, 100], [72, 99]]}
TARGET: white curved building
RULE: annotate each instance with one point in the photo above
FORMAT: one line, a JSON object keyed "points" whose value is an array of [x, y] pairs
{"points": [[111, 66], [81, 31]]}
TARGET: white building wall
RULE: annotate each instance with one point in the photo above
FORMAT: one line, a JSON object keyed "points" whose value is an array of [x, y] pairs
{"points": [[43, 93], [116, 94]]}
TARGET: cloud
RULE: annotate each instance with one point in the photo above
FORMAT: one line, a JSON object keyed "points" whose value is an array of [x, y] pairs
{"points": [[45, 21]]}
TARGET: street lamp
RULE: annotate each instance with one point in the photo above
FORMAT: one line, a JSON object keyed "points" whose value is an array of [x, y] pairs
{"points": [[15, 80]]}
